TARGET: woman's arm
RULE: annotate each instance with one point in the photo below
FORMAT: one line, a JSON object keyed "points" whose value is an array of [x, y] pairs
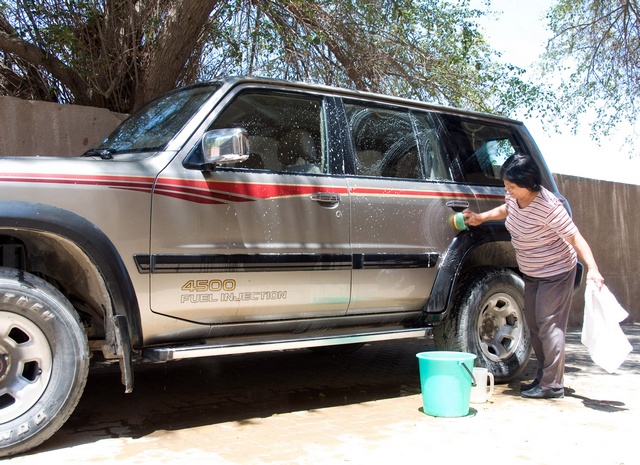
{"points": [[584, 252], [475, 219]]}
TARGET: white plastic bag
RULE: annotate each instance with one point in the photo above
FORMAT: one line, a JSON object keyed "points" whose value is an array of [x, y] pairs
{"points": [[601, 333]]}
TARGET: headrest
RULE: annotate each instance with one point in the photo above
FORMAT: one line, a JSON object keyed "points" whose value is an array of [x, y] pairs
{"points": [[297, 144]]}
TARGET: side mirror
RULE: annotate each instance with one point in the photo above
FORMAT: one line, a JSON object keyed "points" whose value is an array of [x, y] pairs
{"points": [[221, 146]]}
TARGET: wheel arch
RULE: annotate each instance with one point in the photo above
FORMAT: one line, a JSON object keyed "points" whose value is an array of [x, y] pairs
{"points": [[78, 258], [486, 246]]}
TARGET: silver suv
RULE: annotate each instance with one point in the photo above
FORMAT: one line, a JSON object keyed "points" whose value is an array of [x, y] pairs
{"points": [[247, 215]]}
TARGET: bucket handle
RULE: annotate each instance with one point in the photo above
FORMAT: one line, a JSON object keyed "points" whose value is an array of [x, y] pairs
{"points": [[473, 379]]}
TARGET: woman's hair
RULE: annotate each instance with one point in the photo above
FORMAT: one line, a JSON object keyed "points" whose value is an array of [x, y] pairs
{"points": [[522, 171]]}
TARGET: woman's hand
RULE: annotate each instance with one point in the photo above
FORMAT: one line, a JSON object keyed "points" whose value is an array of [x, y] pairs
{"points": [[595, 276], [472, 218], [584, 252], [475, 219]]}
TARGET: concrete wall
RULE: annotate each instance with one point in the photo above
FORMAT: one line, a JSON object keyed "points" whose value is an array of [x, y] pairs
{"points": [[42, 128], [602, 210], [606, 214]]}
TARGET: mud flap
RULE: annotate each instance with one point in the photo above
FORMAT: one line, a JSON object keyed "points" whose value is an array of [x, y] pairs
{"points": [[123, 342]]}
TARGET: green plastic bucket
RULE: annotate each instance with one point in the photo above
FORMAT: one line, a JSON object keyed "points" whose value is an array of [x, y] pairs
{"points": [[445, 381]]}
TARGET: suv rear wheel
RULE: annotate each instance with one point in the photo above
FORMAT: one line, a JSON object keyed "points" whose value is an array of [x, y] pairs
{"points": [[487, 319], [44, 360]]}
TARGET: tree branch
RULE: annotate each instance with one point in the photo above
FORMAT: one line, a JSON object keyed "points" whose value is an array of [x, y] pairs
{"points": [[35, 56]]}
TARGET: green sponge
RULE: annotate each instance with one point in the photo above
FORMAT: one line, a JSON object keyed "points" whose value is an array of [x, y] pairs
{"points": [[457, 221]]}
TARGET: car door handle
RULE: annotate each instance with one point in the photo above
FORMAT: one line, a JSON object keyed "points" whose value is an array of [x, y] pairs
{"points": [[326, 197], [458, 205]]}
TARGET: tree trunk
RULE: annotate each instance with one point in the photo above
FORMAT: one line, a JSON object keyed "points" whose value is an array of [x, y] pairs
{"points": [[176, 41]]}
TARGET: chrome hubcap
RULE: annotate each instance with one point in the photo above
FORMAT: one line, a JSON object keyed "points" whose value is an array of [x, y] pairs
{"points": [[26, 361], [5, 363], [500, 327]]}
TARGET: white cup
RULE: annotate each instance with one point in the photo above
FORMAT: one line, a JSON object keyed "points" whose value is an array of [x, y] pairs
{"points": [[483, 389]]}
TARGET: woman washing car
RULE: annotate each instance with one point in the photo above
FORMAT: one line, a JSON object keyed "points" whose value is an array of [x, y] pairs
{"points": [[547, 245]]}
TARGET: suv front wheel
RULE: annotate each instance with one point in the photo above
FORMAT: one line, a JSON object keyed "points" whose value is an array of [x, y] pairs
{"points": [[487, 319], [44, 360]]}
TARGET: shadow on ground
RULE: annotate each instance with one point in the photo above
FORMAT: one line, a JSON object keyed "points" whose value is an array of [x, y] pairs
{"points": [[241, 388], [192, 393]]}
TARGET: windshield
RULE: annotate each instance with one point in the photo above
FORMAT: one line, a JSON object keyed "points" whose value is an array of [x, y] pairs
{"points": [[154, 125]]}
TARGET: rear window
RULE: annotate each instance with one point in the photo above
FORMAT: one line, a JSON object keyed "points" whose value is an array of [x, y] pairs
{"points": [[481, 148]]}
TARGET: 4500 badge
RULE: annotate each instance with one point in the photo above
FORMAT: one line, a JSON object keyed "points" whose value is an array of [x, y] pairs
{"points": [[222, 290]]}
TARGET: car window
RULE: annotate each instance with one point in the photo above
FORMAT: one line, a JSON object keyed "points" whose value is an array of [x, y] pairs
{"points": [[384, 142], [286, 131], [154, 125], [481, 148], [429, 130]]}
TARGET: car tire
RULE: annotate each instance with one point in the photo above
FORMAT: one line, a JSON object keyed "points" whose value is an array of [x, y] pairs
{"points": [[487, 319], [44, 361]]}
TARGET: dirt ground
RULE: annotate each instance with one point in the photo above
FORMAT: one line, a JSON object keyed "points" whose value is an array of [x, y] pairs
{"points": [[300, 407]]}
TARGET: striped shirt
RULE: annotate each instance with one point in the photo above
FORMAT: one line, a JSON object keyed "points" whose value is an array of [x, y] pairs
{"points": [[538, 234]]}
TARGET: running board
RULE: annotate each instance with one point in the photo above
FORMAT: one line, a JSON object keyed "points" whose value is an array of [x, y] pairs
{"points": [[251, 345]]}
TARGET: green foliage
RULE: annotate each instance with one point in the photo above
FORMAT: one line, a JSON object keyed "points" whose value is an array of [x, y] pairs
{"points": [[594, 49], [430, 50], [106, 49]]}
